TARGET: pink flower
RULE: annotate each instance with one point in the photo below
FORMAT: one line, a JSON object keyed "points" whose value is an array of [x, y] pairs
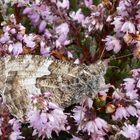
{"points": [[4, 38], [97, 126], [47, 34], [90, 127], [135, 72], [131, 110], [70, 55], [15, 124], [96, 19], [132, 94], [29, 40], [118, 22], [64, 4], [112, 43], [62, 29], [77, 61], [44, 50], [120, 113], [117, 94], [27, 10], [51, 118], [128, 27], [138, 124], [77, 16], [15, 134], [79, 113], [101, 124], [138, 84], [129, 84], [131, 132], [16, 48], [137, 104], [88, 3], [42, 26]]}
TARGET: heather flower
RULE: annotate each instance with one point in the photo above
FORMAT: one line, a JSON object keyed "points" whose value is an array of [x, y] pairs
{"points": [[138, 124], [130, 131], [77, 16], [128, 27], [88, 3], [62, 29], [96, 126], [46, 119], [132, 94], [79, 113], [44, 49], [135, 72], [118, 22], [95, 20], [42, 26], [40, 15], [47, 34], [120, 113], [101, 124], [29, 40], [70, 55], [15, 134], [129, 84], [117, 94], [138, 84], [77, 61], [64, 4], [16, 48], [27, 10], [44, 123], [5, 38], [131, 110], [112, 43], [62, 32], [137, 104]]}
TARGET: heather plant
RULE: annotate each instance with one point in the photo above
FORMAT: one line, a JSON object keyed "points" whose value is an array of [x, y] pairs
{"points": [[77, 31]]}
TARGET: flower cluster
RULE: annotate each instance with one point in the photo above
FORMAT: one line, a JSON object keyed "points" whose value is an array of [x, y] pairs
{"points": [[15, 134], [48, 14], [14, 39], [45, 117], [87, 120], [126, 27]]}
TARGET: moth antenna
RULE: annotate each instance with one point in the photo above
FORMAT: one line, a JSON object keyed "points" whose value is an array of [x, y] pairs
{"points": [[123, 56], [116, 58], [102, 54]]}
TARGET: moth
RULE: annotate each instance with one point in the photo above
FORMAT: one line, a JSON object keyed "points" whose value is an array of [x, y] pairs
{"points": [[26, 75]]}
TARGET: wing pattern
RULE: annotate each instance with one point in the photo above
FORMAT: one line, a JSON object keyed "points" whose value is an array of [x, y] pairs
{"points": [[26, 75]]}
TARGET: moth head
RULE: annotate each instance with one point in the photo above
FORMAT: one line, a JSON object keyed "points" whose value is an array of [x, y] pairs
{"points": [[93, 77]]}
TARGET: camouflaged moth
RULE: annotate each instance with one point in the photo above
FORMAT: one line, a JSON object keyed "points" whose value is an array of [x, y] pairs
{"points": [[26, 75]]}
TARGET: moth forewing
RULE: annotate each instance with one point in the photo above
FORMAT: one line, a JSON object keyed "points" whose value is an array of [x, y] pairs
{"points": [[27, 75]]}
